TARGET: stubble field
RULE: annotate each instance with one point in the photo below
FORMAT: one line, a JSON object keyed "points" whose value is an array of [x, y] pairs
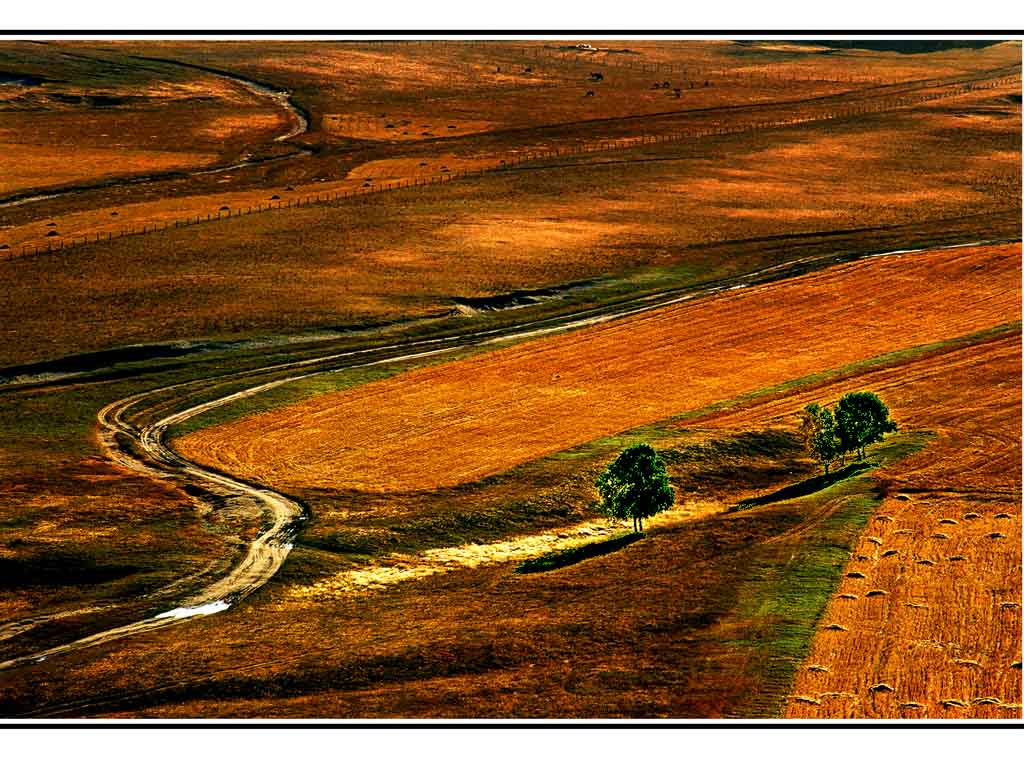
{"points": [[462, 421], [891, 591]]}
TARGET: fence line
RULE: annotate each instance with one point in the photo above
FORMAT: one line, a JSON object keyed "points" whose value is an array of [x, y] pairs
{"points": [[504, 164], [589, 58]]}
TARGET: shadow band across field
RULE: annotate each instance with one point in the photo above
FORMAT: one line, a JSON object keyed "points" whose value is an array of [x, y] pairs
{"points": [[757, 584], [765, 585], [566, 557], [806, 487]]}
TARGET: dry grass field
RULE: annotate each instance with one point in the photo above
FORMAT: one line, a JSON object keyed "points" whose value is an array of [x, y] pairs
{"points": [[462, 421], [890, 589], [642, 214], [370, 86], [74, 117]]}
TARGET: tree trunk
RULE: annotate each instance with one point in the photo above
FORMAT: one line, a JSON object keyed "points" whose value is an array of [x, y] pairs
{"points": [[641, 521], [826, 468]]}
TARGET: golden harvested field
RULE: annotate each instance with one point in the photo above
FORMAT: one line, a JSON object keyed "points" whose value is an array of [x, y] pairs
{"points": [[931, 616], [480, 640], [461, 421], [383, 580]]}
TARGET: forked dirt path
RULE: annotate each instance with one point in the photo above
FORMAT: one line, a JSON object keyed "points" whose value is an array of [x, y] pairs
{"points": [[298, 123], [143, 449]]}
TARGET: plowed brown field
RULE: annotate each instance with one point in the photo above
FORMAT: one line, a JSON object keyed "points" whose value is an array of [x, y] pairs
{"points": [[462, 421], [944, 549]]}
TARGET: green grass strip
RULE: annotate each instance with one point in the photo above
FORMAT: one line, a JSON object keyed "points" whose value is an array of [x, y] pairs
{"points": [[789, 583]]}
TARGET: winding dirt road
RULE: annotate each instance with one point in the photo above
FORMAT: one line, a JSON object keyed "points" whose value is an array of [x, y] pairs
{"points": [[298, 124], [144, 450]]}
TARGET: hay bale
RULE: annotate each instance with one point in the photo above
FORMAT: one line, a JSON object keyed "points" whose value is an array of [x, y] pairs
{"points": [[941, 536], [926, 562], [967, 663], [947, 703], [855, 574], [1003, 516], [881, 687], [902, 497], [916, 606], [883, 518], [847, 596], [911, 706], [948, 521], [986, 701], [997, 534], [957, 558], [806, 699], [890, 553], [1015, 665], [834, 627], [971, 516], [1010, 606], [875, 540], [817, 669], [904, 531], [876, 592]]}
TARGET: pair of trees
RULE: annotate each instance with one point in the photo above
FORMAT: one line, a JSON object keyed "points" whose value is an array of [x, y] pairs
{"points": [[860, 419], [636, 486]]}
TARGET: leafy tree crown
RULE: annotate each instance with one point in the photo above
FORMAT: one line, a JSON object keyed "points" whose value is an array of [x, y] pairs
{"points": [[636, 484], [862, 419]]}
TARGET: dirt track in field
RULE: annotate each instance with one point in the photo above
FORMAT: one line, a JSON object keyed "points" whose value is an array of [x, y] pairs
{"points": [[462, 421]]}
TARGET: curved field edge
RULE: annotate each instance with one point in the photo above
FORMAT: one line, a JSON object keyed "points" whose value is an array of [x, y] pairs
{"points": [[775, 638], [547, 395]]}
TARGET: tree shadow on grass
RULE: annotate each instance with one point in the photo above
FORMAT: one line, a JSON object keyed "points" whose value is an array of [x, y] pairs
{"points": [[566, 557], [806, 487]]}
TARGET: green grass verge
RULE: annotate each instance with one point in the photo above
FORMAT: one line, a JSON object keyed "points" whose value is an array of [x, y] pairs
{"points": [[789, 583], [805, 487]]}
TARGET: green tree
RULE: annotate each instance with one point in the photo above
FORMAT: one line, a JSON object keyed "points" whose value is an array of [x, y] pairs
{"points": [[808, 424], [862, 418], [635, 485], [821, 435]]}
